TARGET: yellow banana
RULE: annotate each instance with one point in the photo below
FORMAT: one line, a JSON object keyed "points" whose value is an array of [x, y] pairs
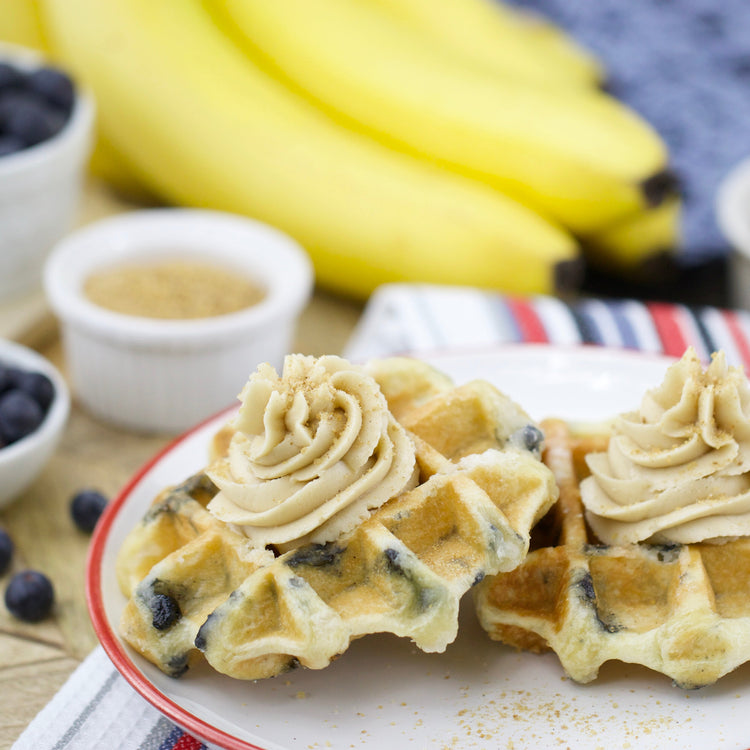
{"points": [[108, 165], [578, 156], [637, 245], [500, 38], [205, 127], [19, 24]]}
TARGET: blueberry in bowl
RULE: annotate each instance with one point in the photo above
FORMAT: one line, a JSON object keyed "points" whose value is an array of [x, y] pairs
{"points": [[46, 126], [35, 105], [34, 407]]}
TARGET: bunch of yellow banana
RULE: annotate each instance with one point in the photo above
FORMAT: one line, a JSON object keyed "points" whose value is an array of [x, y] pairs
{"points": [[435, 140], [569, 151]]}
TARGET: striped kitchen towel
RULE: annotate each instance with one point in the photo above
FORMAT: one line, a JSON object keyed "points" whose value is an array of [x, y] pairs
{"points": [[408, 318], [97, 708]]}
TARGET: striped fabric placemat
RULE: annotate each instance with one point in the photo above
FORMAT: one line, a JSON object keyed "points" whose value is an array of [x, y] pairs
{"points": [[409, 318], [97, 708]]}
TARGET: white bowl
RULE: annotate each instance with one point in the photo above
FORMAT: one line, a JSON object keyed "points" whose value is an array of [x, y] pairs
{"points": [[22, 461], [40, 189], [733, 215], [155, 375]]}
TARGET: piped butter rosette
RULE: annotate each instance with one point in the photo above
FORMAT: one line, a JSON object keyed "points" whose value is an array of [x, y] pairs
{"points": [[312, 453], [677, 470]]}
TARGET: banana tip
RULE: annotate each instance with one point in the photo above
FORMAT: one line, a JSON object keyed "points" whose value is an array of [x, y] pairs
{"points": [[568, 275], [659, 187]]}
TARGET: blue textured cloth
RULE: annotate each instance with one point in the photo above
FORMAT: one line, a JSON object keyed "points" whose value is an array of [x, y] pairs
{"points": [[685, 66]]}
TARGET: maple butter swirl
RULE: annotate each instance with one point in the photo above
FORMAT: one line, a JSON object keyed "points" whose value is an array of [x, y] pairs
{"points": [[313, 452], [677, 470]]}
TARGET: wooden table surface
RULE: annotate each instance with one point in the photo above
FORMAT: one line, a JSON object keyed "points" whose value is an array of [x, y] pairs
{"points": [[35, 660]]}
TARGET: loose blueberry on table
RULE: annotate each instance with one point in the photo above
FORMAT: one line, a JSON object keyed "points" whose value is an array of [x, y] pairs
{"points": [[34, 106], [86, 507], [29, 596]]}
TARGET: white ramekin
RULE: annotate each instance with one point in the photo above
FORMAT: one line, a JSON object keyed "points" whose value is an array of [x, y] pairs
{"points": [[166, 375], [22, 461], [40, 188]]}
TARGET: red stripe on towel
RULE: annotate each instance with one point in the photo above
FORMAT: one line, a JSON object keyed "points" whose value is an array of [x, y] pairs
{"points": [[740, 339], [529, 323], [668, 328], [186, 742]]}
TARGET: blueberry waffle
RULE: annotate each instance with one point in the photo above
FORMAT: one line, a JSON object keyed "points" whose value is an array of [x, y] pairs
{"points": [[197, 585], [175, 568], [679, 609]]}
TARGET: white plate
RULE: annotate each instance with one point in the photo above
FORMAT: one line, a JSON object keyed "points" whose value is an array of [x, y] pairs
{"points": [[383, 692]]}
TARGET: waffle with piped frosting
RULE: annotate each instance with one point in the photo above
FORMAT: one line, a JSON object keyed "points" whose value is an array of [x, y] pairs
{"points": [[197, 589], [679, 609]]}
